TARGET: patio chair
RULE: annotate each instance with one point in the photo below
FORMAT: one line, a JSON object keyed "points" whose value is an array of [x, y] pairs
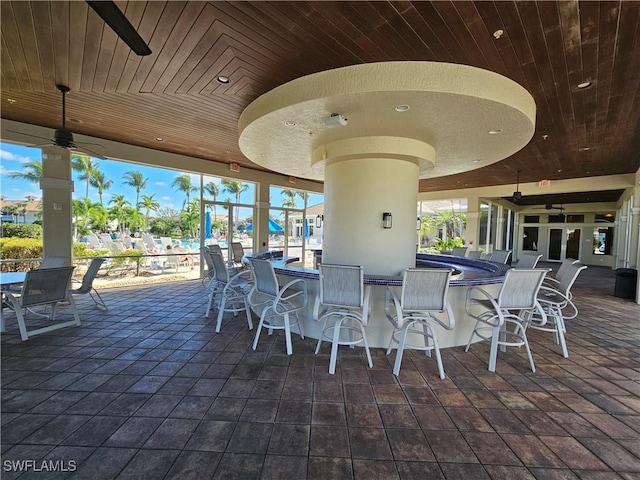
{"points": [[54, 262], [230, 291], [554, 302], [86, 286], [459, 251], [501, 256], [343, 303], [237, 252], [46, 287], [515, 305], [477, 254], [276, 303], [554, 281], [528, 260], [416, 311]]}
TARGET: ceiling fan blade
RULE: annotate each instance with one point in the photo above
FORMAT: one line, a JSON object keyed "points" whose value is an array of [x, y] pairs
{"points": [[86, 151], [113, 16], [29, 135]]}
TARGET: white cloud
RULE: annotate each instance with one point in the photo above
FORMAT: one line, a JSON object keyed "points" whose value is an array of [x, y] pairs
{"points": [[12, 157], [165, 198], [160, 184]]}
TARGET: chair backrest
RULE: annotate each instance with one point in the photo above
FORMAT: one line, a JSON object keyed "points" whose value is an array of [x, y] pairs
{"points": [[53, 262], [206, 253], [264, 277], [237, 251], [528, 260], [425, 289], [149, 242], [569, 276], [219, 267], [46, 285], [215, 249], [106, 238], [520, 288], [117, 246], [341, 285], [475, 254], [166, 242], [90, 275], [564, 267], [500, 256], [459, 251]]}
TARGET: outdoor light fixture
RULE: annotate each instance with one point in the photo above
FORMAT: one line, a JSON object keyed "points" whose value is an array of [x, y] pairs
{"points": [[418, 223], [387, 220], [319, 220]]}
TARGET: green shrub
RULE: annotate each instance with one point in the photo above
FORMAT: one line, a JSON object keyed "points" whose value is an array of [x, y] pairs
{"points": [[18, 248], [83, 250], [21, 230]]}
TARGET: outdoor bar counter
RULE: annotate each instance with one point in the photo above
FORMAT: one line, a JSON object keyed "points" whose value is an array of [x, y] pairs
{"points": [[468, 272]]}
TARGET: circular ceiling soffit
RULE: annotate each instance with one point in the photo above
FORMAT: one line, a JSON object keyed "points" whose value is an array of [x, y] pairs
{"points": [[452, 109]]}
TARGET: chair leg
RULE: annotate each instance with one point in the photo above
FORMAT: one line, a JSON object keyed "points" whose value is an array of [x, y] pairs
{"points": [[287, 334], [401, 342], [100, 303], [223, 301], [324, 325], [334, 345], [561, 329], [249, 319], [260, 323], [494, 349], [526, 345], [366, 346], [436, 348], [76, 315], [471, 336], [210, 303], [427, 333], [390, 342]]}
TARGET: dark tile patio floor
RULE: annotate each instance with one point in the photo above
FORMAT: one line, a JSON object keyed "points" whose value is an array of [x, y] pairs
{"points": [[148, 390]]}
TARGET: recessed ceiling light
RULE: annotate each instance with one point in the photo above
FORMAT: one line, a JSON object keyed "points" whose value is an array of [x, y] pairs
{"points": [[498, 33], [11, 100], [402, 108], [495, 131], [159, 139], [584, 85], [290, 124], [477, 160], [264, 155], [585, 149], [545, 136], [223, 79]]}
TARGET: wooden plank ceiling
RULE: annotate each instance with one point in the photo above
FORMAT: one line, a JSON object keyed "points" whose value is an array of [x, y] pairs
{"points": [[174, 94]]}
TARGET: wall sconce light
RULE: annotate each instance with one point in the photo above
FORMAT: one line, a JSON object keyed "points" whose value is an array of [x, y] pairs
{"points": [[387, 220], [418, 224], [319, 220]]}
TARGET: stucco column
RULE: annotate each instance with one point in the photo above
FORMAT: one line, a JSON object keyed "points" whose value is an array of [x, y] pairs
{"points": [[354, 204], [261, 222], [473, 216], [57, 187]]}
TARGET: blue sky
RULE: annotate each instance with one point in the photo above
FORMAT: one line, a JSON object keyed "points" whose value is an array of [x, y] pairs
{"points": [[13, 157]]}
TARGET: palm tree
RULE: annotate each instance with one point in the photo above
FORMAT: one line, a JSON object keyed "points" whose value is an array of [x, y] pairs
{"points": [[119, 209], [149, 204], [22, 208], [99, 182], [213, 190], [182, 183], [135, 179], [236, 188], [13, 211], [290, 200], [87, 168], [32, 172]]}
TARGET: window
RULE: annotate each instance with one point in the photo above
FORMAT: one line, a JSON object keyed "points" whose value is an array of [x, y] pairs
{"points": [[602, 240]]}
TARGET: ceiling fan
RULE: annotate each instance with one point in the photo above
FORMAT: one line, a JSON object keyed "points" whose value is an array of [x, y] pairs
{"points": [[517, 195], [117, 21], [550, 206], [63, 137]]}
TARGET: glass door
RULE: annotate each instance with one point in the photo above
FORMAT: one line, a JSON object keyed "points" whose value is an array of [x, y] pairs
{"points": [[226, 222], [563, 243]]}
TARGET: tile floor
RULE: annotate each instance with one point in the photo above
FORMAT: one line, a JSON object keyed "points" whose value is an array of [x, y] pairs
{"points": [[149, 391]]}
